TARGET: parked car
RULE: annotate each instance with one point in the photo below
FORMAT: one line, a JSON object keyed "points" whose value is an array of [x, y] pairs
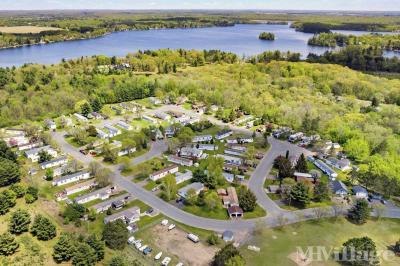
{"points": [[166, 261], [138, 245], [158, 256], [147, 250], [164, 222], [383, 201], [131, 240], [172, 226], [179, 264], [142, 248]]}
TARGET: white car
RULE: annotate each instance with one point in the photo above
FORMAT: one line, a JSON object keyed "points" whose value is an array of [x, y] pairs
{"points": [[166, 261], [142, 248], [172, 226], [138, 245], [164, 222], [131, 240], [179, 264], [158, 256]]}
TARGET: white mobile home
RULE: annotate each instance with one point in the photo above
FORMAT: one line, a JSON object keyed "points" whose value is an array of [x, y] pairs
{"points": [[124, 125], [33, 154], [231, 159], [71, 178], [202, 138], [180, 161], [172, 169], [182, 177], [53, 163]]}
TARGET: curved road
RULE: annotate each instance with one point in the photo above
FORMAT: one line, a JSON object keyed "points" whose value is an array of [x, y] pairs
{"points": [[275, 215]]}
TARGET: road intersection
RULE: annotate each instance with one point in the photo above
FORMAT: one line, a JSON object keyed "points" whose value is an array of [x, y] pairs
{"points": [[275, 215]]}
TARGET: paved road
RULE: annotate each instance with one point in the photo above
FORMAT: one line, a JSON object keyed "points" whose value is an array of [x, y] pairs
{"points": [[275, 215]]}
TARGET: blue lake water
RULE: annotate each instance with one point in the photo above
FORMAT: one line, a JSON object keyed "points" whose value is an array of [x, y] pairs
{"points": [[240, 39]]}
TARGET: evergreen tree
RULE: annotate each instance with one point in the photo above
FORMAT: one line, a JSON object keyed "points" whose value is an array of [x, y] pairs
{"points": [[300, 195], [86, 109], [247, 199], [360, 251], [19, 189], [321, 192], [44, 156], [19, 222], [115, 235], [43, 228], [96, 105], [8, 244], [6, 152], [64, 249], [31, 195], [301, 165], [9, 172], [97, 245], [7, 201], [360, 212], [84, 255], [224, 255]]}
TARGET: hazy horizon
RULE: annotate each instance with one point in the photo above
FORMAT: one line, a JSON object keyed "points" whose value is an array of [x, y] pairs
{"points": [[262, 5]]}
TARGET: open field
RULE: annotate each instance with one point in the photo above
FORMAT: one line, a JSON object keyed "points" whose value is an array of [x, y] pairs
{"points": [[27, 29], [276, 245], [175, 244]]}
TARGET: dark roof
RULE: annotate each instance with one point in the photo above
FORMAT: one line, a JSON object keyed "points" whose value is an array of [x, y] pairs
{"points": [[338, 185], [359, 189], [235, 209]]}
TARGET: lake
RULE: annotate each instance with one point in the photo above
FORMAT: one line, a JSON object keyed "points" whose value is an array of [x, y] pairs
{"points": [[241, 39]]}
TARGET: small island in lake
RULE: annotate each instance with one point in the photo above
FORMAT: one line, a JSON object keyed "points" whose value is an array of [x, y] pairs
{"points": [[267, 36]]}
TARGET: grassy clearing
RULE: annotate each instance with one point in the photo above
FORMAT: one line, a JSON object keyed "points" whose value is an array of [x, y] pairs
{"points": [[220, 213], [27, 29], [258, 212], [277, 244]]}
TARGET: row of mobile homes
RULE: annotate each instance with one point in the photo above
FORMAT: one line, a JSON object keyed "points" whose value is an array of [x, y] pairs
{"points": [[53, 163], [81, 117]]}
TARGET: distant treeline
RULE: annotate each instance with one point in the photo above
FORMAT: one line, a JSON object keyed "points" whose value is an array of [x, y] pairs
{"points": [[359, 58], [383, 41], [319, 27]]}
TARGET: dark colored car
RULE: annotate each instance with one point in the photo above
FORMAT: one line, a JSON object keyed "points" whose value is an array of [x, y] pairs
{"points": [[147, 250]]}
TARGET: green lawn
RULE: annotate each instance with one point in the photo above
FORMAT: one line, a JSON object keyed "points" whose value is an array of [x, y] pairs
{"points": [[277, 244], [258, 212], [220, 213]]}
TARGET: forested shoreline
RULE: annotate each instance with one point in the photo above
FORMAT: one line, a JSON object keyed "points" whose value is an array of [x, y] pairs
{"points": [[75, 25]]}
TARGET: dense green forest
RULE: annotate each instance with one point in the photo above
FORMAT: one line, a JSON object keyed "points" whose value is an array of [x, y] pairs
{"points": [[386, 42], [331, 100], [364, 58], [268, 36], [91, 24]]}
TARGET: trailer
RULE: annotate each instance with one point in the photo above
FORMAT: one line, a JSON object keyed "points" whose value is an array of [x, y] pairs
{"points": [[193, 237]]}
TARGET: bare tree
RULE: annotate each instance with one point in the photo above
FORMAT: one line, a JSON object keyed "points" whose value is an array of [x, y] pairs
{"points": [[379, 210], [281, 220], [338, 210]]}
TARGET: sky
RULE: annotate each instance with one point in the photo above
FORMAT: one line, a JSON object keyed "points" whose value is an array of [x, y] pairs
{"points": [[362, 5]]}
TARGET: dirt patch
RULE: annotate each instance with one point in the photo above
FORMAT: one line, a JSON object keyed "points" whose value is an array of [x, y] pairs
{"points": [[27, 29], [299, 259], [176, 242]]}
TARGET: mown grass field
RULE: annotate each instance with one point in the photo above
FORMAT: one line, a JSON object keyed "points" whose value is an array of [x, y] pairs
{"points": [[27, 29], [277, 244]]}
